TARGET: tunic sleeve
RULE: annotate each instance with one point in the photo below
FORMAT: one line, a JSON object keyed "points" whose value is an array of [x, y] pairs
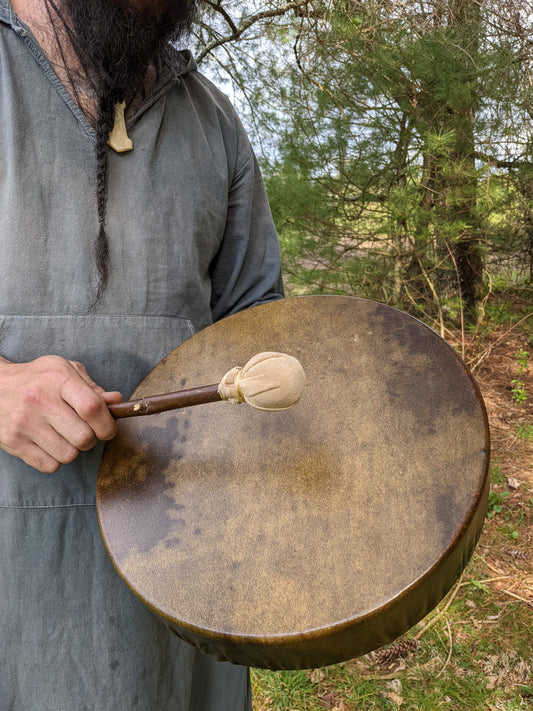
{"points": [[246, 270]]}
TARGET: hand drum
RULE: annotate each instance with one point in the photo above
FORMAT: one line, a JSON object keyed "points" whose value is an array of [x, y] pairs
{"points": [[301, 538]]}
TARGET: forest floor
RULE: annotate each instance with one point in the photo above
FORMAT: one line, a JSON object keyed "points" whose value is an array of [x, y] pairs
{"points": [[475, 651]]}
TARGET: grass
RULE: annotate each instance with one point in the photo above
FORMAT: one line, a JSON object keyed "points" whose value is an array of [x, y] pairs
{"points": [[525, 431], [475, 649]]}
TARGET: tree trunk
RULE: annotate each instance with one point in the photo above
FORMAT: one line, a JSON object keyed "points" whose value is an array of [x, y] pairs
{"points": [[447, 107]]}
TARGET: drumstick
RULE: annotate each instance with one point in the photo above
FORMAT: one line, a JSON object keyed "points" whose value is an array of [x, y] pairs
{"points": [[268, 381]]}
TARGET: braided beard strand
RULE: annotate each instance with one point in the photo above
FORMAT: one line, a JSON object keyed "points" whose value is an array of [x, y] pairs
{"points": [[113, 42]]}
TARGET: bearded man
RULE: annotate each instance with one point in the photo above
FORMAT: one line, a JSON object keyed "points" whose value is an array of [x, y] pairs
{"points": [[119, 238]]}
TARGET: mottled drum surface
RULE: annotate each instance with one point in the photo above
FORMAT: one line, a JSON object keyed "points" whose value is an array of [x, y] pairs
{"points": [[301, 538]]}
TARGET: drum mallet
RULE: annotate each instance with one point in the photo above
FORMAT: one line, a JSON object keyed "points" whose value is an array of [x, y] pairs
{"points": [[268, 381]]}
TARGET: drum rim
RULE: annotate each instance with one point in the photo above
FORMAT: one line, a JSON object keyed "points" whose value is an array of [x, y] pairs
{"points": [[289, 639]]}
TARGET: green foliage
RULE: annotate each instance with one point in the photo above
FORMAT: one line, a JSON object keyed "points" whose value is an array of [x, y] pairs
{"points": [[496, 502], [518, 390], [379, 122], [496, 474], [396, 144], [524, 432], [522, 360]]}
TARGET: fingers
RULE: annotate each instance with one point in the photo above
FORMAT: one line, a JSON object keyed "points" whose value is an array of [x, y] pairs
{"points": [[91, 409], [55, 446], [36, 457], [38, 444], [71, 433], [52, 411], [84, 375], [112, 397]]}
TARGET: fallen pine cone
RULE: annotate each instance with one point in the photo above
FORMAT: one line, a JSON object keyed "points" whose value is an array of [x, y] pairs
{"points": [[402, 648]]}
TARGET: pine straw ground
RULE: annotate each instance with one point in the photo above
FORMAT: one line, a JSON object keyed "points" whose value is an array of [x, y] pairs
{"points": [[476, 650]]}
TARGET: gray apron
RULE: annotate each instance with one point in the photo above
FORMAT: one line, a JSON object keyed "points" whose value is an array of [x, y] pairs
{"points": [[191, 241]]}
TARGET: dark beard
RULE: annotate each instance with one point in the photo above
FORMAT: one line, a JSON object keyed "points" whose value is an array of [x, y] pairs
{"points": [[115, 42]]}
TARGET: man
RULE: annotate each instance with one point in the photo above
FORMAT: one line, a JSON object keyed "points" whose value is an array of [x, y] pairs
{"points": [[107, 259]]}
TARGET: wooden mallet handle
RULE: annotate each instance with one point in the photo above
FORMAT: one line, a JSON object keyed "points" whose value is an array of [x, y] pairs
{"points": [[168, 401]]}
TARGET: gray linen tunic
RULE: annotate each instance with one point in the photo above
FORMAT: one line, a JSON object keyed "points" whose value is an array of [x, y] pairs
{"points": [[191, 242]]}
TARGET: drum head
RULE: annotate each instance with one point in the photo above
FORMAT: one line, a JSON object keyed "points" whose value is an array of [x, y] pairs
{"points": [[301, 538]]}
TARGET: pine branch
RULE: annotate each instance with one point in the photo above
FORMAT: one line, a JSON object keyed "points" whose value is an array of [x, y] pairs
{"points": [[238, 31]]}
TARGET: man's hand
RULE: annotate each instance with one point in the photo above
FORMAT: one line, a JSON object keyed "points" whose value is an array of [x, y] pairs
{"points": [[50, 410]]}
